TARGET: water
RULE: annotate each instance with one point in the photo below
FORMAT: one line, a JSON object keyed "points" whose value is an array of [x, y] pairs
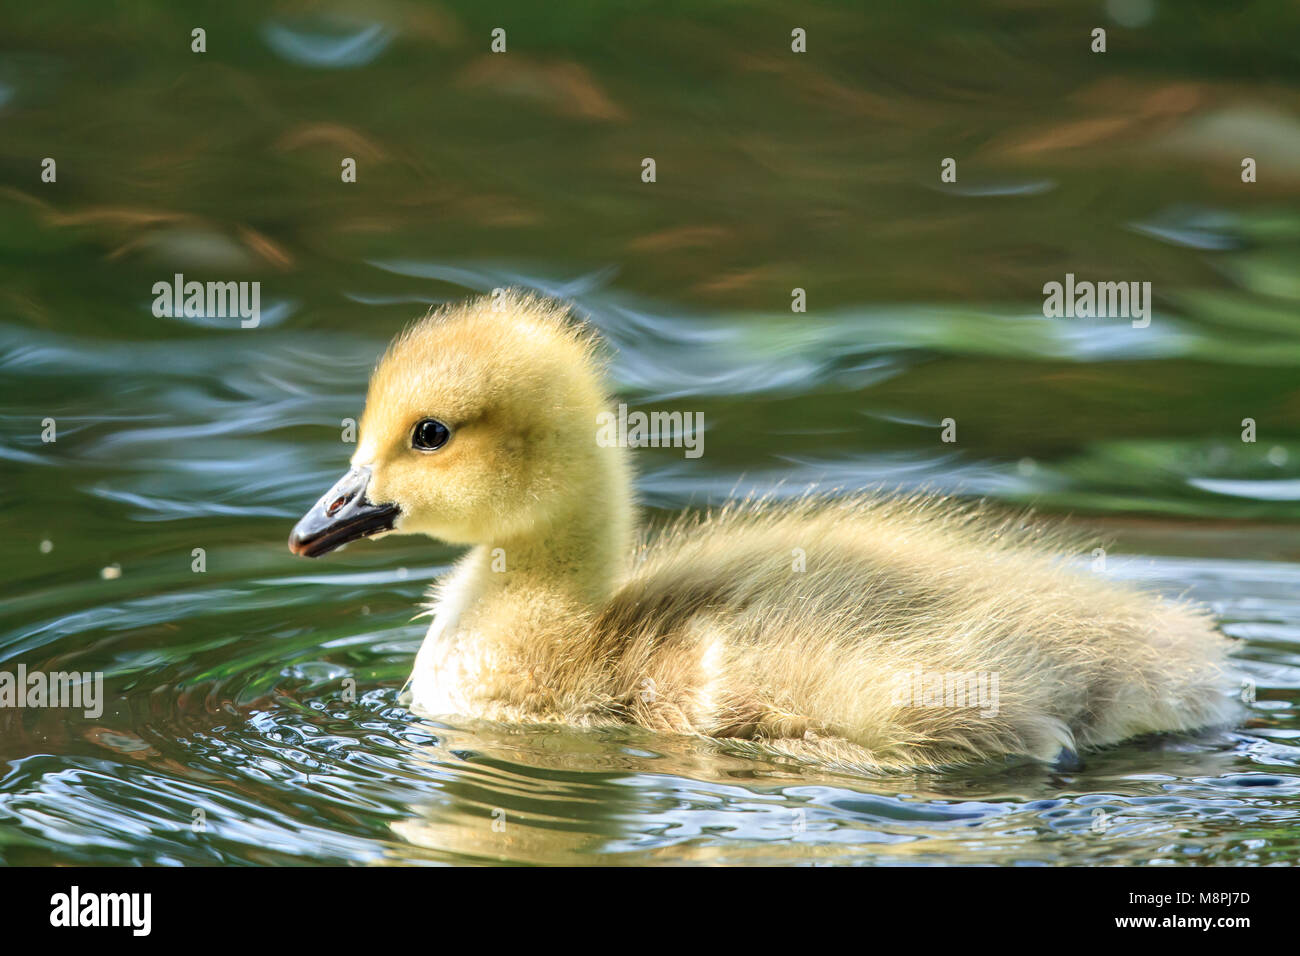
{"points": [[252, 710]]}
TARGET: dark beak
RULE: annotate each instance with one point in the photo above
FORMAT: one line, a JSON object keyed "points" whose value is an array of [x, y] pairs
{"points": [[342, 515]]}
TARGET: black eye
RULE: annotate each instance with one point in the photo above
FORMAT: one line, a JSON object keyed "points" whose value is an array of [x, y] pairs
{"points": [[430, 435]]}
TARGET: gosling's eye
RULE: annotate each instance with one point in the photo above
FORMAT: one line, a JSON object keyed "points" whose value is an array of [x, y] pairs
{"points": [[430, 435]]}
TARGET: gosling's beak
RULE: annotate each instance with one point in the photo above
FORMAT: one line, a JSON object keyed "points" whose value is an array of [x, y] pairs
{"points": [[343, 514]]}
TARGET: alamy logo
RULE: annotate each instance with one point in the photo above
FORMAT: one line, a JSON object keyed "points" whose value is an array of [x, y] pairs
{"points": [[212, 300], [1098, 300], [950, 689], [75, 908], [651, 430], [35, 689]]}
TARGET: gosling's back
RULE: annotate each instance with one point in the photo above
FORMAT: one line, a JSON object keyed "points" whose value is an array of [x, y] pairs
{"points": [[900, 633]]}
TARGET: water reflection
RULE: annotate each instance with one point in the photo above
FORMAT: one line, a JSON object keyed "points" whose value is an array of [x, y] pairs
{"points": [[328, 43]]}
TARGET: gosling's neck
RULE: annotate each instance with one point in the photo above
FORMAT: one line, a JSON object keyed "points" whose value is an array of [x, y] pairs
{"points": [[503, 625], [578, 556]]}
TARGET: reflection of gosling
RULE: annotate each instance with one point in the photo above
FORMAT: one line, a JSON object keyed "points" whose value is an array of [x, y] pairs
{"points": [[814, 628]]}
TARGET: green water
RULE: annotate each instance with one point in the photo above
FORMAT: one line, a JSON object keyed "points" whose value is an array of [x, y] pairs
{"points": [[229, 732]]}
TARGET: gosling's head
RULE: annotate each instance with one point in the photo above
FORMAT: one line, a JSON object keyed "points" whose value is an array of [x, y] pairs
{"points": [[479, 423]]}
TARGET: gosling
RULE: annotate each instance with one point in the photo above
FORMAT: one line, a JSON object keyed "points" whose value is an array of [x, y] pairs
{"points": [[869, 633]]}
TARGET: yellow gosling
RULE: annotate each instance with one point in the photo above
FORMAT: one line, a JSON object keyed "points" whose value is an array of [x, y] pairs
{"points": [[868, 633]]}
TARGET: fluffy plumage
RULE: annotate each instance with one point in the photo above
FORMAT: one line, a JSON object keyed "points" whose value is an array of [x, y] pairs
{"points": [[874, 633]]}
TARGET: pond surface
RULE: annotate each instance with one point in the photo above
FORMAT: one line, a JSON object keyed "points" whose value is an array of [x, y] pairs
{"points": [[252, 710]]}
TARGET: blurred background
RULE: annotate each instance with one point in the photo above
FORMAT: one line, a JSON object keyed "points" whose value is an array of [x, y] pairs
{"points": [[775, 170]]}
